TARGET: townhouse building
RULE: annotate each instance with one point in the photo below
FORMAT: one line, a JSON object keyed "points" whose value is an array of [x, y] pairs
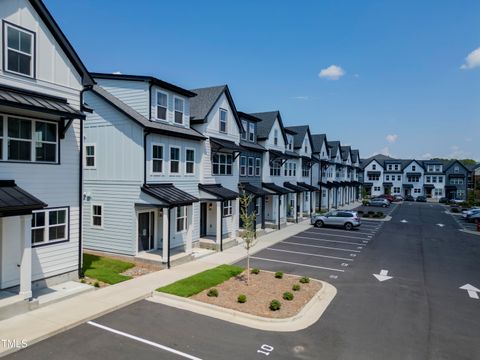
{"points": [[214, 114], [319, 170], [41, 114], [142, 166], [431, 178]]}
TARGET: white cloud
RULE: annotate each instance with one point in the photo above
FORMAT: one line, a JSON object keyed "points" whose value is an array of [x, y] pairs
{"points": [[385, 151], [472, 60], [427, 156], [117, 73], [391, 138], [333, 72]]}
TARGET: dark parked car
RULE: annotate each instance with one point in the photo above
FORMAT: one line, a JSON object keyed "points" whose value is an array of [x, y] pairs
{"points": [[378, 202], [443, 200], [398, 198], [409, 198], [421, 199], [386, 196]]}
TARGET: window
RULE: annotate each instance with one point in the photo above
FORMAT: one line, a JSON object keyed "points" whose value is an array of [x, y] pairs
{"points": [[376, 188], [456, 169], [227, 208], [19, 45], [373, 177], [250, 166], [413, 178], [97, 215], [243, 166], [222, 164], [251, 132], [90, 156], [223, 120], [275, 137], [438, 192], [428, 179], [258, 166], [414, 168], [45, 141], [174, 160], [305, 170], [417, 191], [306, 148], [275, 168], [157, 159], [294, 169], [396, 190], [162, 101], [440, 179], [49, 225], [434, 179], [374, 167], [181, 218], [399, 177], [179, 103], [20, 139], [396, 167], [245, 129], [390, 167], [189, 161], [387, 177]]}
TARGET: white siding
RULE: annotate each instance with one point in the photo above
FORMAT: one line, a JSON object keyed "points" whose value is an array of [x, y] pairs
{"points": [[132, 93]]}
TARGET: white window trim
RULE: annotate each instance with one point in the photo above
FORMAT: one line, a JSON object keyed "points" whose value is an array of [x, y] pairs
{"points": [[6, 49], [175, 110], [185, 220], [94, 156], [252, 167], [46, 227], [220, 121], [244, 173], [227, 204], [102, 216], [226, 165], [194, 160], [170, 160], [251, 126], [155, 173], [156, 105], [258, 166]]}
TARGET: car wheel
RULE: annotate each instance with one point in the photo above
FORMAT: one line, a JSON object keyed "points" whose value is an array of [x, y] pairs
{"points": [[384, 205], [348, 226], [318, 223]]}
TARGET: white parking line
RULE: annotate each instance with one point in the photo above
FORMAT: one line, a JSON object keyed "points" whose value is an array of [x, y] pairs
{"points": [[333, 241], [310, 254], [320, 230], [145, 341], [293, 263], [318, 246], [336, 235]]}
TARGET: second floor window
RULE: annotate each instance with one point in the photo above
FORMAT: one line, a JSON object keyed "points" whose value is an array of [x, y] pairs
{"points": [[90, 156], [162, 100], [243, 166], [305, 170], [456, 169], [223, 120], [179, 110], [222, 164], [250, 166], [189, 161], [258, 166], [174, 160], [275, 137], [275, 168], [157, 159], [18, 50]]}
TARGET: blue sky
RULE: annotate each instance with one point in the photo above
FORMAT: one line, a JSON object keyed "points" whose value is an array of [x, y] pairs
{"points": [[392, 79]]}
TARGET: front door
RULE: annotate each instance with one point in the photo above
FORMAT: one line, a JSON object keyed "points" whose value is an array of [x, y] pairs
{"points": [[203, 219], [145, 231]]}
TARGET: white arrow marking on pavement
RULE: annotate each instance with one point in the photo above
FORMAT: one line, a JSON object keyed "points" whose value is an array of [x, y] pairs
{"points": [[404, 221], [472, 291], [383, 276], [441, 225]]}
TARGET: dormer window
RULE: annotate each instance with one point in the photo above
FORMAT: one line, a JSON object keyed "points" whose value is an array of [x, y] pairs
{"points": [[275, 137], [223, 120], [18, 49], [179, 105], [162, 101], [245, 129], [251, 132]]}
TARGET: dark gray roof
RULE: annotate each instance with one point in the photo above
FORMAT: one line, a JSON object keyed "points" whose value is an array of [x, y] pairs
{"points": [[221, 144], [318, 140], [308, 186], [30, 100], [15, 200], [345, 151], [300, 132], [252, 189], [265, 126], [62, 40], [218, 191], [334, 147], [355, 155], [293, 187], [170, 194], [252, 146], [166, 129], [276, 189]]}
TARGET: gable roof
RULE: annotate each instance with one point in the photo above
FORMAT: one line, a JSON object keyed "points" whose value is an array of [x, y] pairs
{"points": [[62, 40], [317, 141], [300, 132], [355, 155], [166, 129], [150, 79], [202, 104], [346, 150], [451, 163], [265, 126], [334, 147]]}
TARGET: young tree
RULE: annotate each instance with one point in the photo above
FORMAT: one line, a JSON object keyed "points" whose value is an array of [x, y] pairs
{"points": [[249, 236]]}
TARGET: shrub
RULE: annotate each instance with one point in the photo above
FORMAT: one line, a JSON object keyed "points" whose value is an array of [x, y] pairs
{"points": [[96, 284], [364, 202], [296, 287], [287, 296], [359, 212], [242, 298], [380, 213], [455, 210], [371, 213], [366, 215], [279, 274], [275, 305], [304, 280], [83, 281], [212, 293], [255, 271]]}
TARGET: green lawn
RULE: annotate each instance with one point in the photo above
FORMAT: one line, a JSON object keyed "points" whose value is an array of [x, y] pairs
{"points": [[105, 269], [201, 281]]}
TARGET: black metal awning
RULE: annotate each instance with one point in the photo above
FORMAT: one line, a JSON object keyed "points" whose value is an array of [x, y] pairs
{"points": [[308, 186], [220, 144], [414, 174], [450, 187], [408, 186], [275, 154], [222, 193], [374, 173], [291, 154], [16, 201], [249, 146], [169, 194], [387, 184], [367, 184], [458, 176], [252, 189], [276, 189], [293, 187], [428, 186], [12, 97]]}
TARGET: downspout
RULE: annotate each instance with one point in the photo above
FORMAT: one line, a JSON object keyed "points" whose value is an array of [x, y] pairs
{"points": [[297, 207], [320, 187], [169, 230], [279, 200], [145, 134], [221, 228], [263, 212], [150, 101], [311, 192]]}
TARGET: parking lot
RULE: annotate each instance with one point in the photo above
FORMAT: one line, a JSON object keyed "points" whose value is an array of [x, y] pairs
{"points": [[464, 224], [387, 211]]}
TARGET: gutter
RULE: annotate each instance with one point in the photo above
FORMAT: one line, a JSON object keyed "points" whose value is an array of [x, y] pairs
{"points": [[169, 235]]}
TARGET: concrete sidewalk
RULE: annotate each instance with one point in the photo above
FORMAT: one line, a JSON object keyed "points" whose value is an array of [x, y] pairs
{"points": [[39, 324]]}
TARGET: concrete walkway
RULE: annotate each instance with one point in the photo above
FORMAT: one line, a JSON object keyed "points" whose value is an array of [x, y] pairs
{"points": [[44, 322]]}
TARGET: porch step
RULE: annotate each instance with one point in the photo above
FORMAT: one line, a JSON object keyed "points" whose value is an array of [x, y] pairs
{"points": [[212, 245], [12, 304]]}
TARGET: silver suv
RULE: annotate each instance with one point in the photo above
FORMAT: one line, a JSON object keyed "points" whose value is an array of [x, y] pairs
{"points": [[346, 219]]}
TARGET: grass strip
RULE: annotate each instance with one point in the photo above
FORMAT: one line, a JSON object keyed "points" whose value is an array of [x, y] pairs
{"points": [[105, 269]]}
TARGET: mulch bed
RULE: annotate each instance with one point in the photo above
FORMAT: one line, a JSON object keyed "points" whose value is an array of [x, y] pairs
{"points": [[263, 288]]}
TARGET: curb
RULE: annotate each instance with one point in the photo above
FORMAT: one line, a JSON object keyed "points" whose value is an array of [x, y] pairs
{"points": [[470, 232], [309, 314], [386, 218]]}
